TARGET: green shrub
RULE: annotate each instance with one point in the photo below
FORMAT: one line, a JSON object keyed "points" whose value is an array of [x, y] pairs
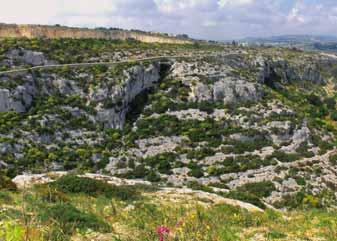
{"points": [[325, 146], [201, 153], [300, 181], [314, 100], [195, 170], [152, 176], [291, 201], [244, 163], [162, 162], [333, 115], [284, 157], [70, 218], [7, 184], [74, 184], [139, 172], [333, 159], [246, 197], [259, 189], [197, 186], [165, 167], [310, 201]]}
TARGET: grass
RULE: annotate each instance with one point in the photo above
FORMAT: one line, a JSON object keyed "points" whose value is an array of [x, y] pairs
{"points": [[83, 216]]}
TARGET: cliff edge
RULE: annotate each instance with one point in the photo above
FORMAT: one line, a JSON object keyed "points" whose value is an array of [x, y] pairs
{"points": [[54, 32]]}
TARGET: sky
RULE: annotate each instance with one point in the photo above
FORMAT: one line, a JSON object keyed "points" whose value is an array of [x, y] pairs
{"points": [[203, 19]]}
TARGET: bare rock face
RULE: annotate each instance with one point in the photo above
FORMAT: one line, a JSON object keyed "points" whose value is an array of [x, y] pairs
{"points": [[300, 136], [200, 92], [26, 57], [19, 98], [274, 73], [7, 103], [312, 74], [209, 83], [228, 91], [137, 80], [232, 91]]}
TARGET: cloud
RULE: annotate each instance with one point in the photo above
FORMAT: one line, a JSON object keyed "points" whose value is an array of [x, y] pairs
{"points": [[208, 19], [224, 3]]}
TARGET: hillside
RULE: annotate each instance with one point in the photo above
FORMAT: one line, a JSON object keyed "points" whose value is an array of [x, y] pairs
{"points": [[213, 124], [57, 32]]}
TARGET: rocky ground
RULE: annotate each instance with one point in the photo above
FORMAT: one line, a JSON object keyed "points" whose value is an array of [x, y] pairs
{"points": [[228, 120]]}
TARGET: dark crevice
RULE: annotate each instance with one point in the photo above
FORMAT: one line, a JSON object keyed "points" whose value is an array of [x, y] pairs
{"points": [[136, 107]]}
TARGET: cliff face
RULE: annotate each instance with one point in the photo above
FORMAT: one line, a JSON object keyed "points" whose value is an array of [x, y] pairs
{"points": [[37, 31], [137, 79]]}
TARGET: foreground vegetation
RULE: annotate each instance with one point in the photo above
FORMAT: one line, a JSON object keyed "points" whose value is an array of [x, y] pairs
{"points": [[69, 209]]}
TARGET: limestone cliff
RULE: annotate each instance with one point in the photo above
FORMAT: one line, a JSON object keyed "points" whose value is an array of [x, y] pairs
{"points": [[40, 31], [135, 80]]}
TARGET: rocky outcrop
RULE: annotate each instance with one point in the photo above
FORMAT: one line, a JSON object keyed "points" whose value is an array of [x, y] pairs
{"points": [[137, 80], [56, 32], [227, 90], [209, 83], [27, 57], [233, 91], [9, 103], [19, 98], [274, 73]]}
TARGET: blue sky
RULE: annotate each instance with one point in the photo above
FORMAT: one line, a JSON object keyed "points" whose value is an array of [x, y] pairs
{"points": [[207, 19]]}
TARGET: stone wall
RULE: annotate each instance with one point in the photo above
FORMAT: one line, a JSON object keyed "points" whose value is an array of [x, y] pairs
{"points": [[54, 32]]}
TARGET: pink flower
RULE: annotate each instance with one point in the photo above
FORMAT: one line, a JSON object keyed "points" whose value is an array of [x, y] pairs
{"points": [[162, 232]]}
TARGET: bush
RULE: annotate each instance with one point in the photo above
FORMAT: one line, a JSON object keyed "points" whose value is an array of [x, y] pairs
{"points": [[333, 115], [196, 171], [139, 172], [153, 177], [259, 189], [310, 201], [333, 159], [201, 153], [7, 184], [74, 184], [165, 167], [197, 186], [291, 201], [70, 218], [284, 157], [162, 162], [314, 100], [246, 197]]}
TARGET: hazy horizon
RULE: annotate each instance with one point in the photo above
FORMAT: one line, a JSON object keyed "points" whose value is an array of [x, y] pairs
{"points": [[204, 19]]}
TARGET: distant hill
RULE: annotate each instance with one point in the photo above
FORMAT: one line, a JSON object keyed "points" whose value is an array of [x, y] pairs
{"points": [[286, 39], [305, 42]]}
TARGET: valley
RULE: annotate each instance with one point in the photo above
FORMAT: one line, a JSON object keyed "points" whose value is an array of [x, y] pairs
{"points": [[157, 133]]}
